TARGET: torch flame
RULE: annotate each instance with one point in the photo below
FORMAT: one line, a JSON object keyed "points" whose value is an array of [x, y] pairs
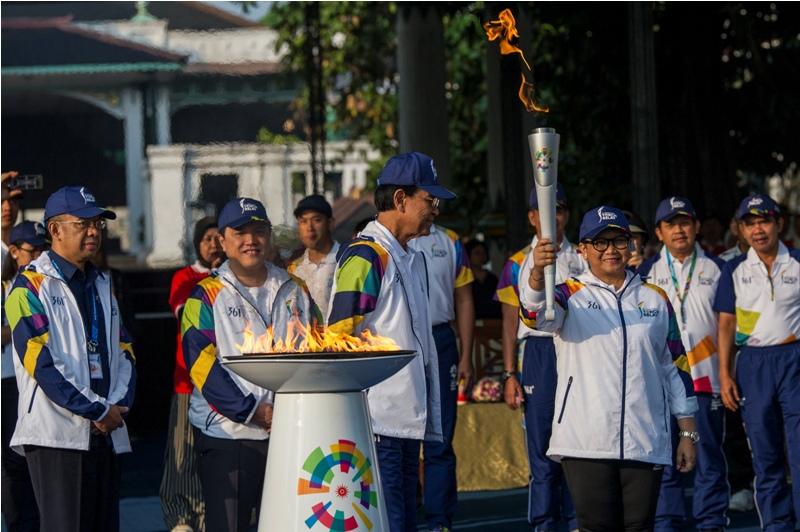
{"points": [[505, 29], [309, 338]]}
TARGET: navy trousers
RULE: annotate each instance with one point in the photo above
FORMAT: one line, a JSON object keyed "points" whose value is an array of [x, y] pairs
{"points": [[549, 500], [711, 490], [398, 459], [440, 495], [769, 387]]}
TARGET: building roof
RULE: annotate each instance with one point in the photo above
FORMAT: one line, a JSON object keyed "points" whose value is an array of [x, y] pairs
{"points": [[56, 46], [181, 15]]}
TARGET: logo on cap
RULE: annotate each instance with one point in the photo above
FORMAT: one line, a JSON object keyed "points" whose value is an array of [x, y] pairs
{"points": [[39, 229], [755, 202], [676, 203], [605, 216], [247, 206], [88, 197], [433, 169]]}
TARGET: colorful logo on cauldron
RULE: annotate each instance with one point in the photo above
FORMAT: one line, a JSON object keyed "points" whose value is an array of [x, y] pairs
{"points": [[544, 158], [342, 484]]}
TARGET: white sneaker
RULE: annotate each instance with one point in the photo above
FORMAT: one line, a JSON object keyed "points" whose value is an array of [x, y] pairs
{"points": [[742, 501]]}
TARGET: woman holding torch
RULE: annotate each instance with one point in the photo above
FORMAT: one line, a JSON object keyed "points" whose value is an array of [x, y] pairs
{"points": [[621, 370]]}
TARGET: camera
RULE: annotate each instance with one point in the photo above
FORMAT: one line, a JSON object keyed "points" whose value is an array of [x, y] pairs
{"points": [[24, 182]]}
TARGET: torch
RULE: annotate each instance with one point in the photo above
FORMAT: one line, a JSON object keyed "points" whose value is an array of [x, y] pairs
{"points": [[543, 143]]}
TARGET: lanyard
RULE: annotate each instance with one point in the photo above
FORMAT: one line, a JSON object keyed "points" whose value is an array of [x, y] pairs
{"points": [[93, 340], [682, 295]]}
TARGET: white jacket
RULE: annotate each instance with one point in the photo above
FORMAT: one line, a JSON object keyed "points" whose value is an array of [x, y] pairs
{"points": [[213, 323], [621, 369], [382, 287], [46, 320]]}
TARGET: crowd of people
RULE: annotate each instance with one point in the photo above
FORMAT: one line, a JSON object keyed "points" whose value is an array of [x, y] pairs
{"points": [[623, 389]]}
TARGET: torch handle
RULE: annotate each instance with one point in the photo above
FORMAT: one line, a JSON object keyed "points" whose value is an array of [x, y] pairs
{"points": [[547, 227]]}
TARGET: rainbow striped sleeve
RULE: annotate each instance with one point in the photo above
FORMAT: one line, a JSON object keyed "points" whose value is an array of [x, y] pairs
{"points": [[199, 341], [358, 282], [508, 286], [675, 345], [563, 292], [463, 271], [30, 329], [314, 313]]}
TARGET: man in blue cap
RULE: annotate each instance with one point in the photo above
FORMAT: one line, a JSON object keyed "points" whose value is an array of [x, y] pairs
{"points": [[75, 371], [26, 242], [690, 276], [232, 418], [381, 285], [758, 300], [534, 387]]}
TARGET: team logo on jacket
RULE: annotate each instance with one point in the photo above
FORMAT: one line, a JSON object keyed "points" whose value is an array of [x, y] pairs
{"points": [[647, 312], [341, 488], [437, 252]]}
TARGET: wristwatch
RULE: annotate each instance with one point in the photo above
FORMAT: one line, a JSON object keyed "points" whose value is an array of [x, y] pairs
{"points": [[694, 436], [508, 374]]}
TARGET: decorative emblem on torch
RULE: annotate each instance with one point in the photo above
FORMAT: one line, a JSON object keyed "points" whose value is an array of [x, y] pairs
{"points": [[543, 158], [342, 483]]}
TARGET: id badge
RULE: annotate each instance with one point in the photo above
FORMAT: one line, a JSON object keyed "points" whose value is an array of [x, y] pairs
{"points": [[95, 366]]}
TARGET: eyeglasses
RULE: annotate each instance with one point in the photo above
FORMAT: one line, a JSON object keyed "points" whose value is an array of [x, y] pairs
{"points": [[601, 244], [434, 202], [83, 225], [32, 250]]}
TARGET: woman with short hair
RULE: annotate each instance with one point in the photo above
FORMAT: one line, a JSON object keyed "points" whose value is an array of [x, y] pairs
{"points": [[622, 371]]}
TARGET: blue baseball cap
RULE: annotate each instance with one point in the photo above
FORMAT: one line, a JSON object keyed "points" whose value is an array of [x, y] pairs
{"points": [[674, 206], [561, 197], [240, 211], [77, 201], [413, 169], [32, 233], [597, 220], [758, 205]]}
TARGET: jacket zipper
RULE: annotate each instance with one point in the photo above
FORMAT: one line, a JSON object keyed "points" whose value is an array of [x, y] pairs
{"points": [[618, 297], [71, 296], [33, 396], [564, 402], [624, 378]]}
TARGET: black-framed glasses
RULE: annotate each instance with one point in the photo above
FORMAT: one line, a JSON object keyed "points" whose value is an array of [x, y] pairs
{"points": [[601, 244], [83, 225]]}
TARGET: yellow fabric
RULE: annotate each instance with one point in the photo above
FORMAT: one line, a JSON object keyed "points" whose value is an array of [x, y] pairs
{"points": [[746, 320], [202, 366], [508, 296], [346, 326], [490, 445], [32, 352]]}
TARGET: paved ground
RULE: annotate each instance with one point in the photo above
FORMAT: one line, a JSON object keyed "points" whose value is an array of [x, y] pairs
{"points": [[498, 511]]}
